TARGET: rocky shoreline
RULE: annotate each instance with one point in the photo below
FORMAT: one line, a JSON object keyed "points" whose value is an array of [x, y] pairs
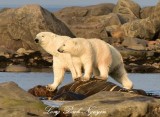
{"points": [[34, 61], [84, 102]]}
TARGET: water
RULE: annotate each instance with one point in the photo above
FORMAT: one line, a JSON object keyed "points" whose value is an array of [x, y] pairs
{"points": [[147, 82]]}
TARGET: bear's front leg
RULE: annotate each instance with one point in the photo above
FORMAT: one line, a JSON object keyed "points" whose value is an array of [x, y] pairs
{"points": [[58, 78]]}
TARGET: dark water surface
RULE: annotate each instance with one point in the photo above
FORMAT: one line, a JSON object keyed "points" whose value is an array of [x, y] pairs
{"points": [[147, 82]]}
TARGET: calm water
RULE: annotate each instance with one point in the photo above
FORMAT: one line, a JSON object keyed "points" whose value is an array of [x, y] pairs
{"points": [[147, 82]]}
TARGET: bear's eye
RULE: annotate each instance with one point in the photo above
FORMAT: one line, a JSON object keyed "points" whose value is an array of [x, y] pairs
{"points": [[42, 35], [64, 45]]}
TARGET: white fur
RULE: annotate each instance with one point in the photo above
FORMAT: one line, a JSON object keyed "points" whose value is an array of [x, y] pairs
{"points": [[98, 57], [62, 61]]}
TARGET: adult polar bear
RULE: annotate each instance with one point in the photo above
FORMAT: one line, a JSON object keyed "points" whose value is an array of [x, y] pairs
{"points": [[62, 61], [99, 57]]}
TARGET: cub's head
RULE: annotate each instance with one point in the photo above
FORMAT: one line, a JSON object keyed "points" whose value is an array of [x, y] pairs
{"points": [[70, 46], [43, 38]]}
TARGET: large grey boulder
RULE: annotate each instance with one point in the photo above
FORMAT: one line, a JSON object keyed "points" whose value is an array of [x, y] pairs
{"points": [[113, 104], [89, 21], [15, 102], [147, 28], [18, 26], [76, 11], [127, 10]]}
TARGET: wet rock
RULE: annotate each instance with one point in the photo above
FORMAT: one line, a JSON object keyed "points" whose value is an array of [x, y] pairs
{"points": [[4, 62], [143, 68], [79, 90], [127, 10], [17, 68], [20, 25], [17, 102], [41, 91], [113, 104]]}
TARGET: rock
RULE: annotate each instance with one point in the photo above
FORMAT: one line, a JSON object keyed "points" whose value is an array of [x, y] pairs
{"points": [[127, 10], [17, 102], [142, 68], [138, 28], [94, 10], [127, 52], [5, 51], [21, 51], [17, 68], [113, 104], [89, 22], [154, 45], [19, 26], [146, 12], [79, 90], [41, 91], [135, 43], [155, 18], [4, 62]]}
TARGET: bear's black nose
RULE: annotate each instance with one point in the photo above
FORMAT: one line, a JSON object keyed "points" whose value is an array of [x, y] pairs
{"points": [[59, 50], [36, 40]]}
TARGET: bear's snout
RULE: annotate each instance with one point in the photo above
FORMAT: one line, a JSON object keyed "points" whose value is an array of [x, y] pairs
{"points": [[36, 40], [60, 50]]}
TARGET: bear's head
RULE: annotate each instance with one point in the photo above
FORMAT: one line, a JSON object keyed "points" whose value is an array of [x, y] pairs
{"points": [[70, 46], [44, 38], [46, 41]]}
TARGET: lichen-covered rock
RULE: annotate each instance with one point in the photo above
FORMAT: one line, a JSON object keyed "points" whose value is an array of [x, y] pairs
{"points": [[127, 10], [18, 26], [15, 102]]}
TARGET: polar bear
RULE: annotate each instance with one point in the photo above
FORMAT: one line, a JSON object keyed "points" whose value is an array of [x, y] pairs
{"points": [[98, 57], [50, 42]]}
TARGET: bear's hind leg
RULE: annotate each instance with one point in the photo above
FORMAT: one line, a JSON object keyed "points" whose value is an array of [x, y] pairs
{"points": [[103, 73], [121, 76]]}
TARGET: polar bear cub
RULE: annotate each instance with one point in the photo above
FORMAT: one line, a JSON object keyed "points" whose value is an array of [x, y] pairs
{"points": [[99, 58]]}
